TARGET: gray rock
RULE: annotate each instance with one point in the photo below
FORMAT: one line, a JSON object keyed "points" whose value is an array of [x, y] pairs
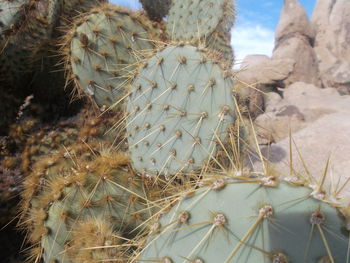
{"points": [[331, 18], [293, 20], [297, 47], [302, 104], [327, 137], [260, 74], [263, 70]]}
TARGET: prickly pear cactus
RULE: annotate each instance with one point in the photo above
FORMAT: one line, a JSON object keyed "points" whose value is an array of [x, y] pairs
{"points": [[179, 108], [245, 222], [90, 186], [21, 51], [156, 9], [196, 20], [221, 43], [11, 13], [103, 49], [95, 240]]}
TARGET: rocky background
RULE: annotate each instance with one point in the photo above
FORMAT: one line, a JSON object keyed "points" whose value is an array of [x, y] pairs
{"points": [[304, 88]]}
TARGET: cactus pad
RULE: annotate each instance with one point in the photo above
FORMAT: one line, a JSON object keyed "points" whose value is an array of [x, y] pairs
{"points": [[197, 19], [86, 186], [245, 222], [104, 47], [180, 106]]}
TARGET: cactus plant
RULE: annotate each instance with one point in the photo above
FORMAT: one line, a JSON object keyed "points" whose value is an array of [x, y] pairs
{"points": [[103, 49], [95, 240], [180, 105], [221, 43], [11, 13], [197, 20], [90, 186], [24, 46], [242, 221], [156, 9]]}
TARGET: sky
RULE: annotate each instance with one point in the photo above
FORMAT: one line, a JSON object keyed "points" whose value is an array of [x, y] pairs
{"points": [[255, 25]]}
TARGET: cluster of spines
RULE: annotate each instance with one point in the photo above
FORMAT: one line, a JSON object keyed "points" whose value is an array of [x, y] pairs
{"points": [[82, 184]]}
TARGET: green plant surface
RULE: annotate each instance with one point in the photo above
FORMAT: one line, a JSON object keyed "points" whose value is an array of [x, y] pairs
{"points": [[245, 222], [196, 20], [104, 49], [180, 107]]}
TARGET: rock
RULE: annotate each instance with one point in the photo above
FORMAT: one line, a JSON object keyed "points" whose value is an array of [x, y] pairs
{"points": [[253, 60], [258, 75], [263, 70], [293, 20], [331, 18], [302, 104], [321, 14], [271, 100], [324, 138], [275, 126], [297, 47], [340, 25]]}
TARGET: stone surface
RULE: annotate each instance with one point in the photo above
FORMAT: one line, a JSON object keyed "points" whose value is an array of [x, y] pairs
{"points": [[302, 104], [263, 70], [331, 19], [320, 124], [306, 68], [326, 137], [293, 20]]}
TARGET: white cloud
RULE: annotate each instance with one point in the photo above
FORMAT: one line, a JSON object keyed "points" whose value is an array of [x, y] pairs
{"points": [[248, 39]]}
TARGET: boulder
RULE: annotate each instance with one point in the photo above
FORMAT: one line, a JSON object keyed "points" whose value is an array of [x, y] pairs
{"points": [[312, 146], [260, 74], [293, 20], [331, 19], [298, 48], [301, 105], [263, 70]]}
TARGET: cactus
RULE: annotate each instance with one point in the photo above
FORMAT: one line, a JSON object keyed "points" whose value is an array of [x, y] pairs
{"points": [[242, 221], [24, 47], [11, 13], [221, 43], [78, 187], [197, 20], [103, 49], [180, 105], [95, 240], [156, 9]]}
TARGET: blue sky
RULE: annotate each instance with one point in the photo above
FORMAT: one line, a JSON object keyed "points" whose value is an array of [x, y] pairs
{"points": [[255, 24]]}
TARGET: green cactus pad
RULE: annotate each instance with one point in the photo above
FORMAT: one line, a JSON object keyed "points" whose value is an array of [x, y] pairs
{"points": [[92, 186], [180, 106], [105, 46], [245, 222], [197, 20], [156, 9]]}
